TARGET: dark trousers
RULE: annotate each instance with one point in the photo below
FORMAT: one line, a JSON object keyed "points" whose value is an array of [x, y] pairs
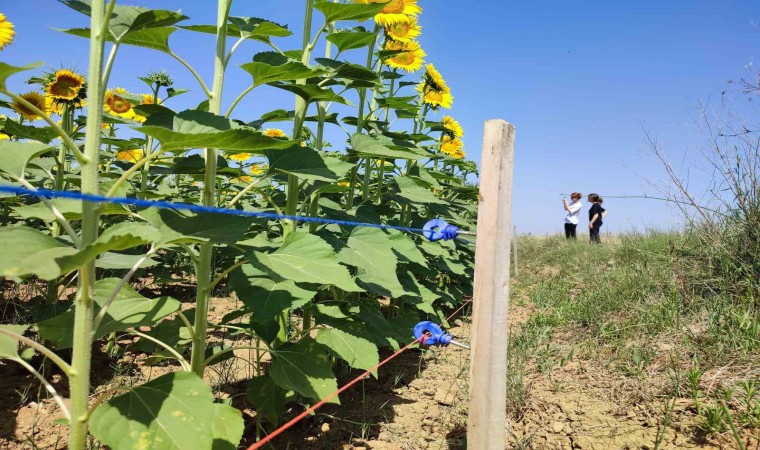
{"points": [[570, 230], [594, 234]]}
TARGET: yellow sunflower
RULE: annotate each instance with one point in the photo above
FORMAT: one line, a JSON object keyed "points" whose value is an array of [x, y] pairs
{"points": [[240, 156], [36, 99], [434, 79], [344, 183], [258, 169], [65, 85], [3, 136], [451, 145], [243, 179], [458, 154], [453, 126], [436, 99], [6, 31], [147, 99], [394, 11], [53, 106], [410, 57], [133, 155], [116, 105], [275, 133], [404, 31]]}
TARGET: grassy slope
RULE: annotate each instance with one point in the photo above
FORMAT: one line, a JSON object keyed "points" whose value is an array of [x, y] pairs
{"points": [[631, 308]]}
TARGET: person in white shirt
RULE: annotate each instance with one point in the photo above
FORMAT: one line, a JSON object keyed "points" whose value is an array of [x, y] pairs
{"points": [[573, 211]]}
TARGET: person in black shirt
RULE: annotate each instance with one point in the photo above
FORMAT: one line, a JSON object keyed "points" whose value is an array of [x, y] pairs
{"points": [[595, 214]]}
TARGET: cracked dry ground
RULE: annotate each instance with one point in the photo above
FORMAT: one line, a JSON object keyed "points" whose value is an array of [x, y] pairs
{"points": [[420, 402]]}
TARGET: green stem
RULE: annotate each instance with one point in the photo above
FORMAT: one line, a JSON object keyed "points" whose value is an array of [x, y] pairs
{"points": [[193, 72], [203, 275], [239, 99], [363, 91], [137, 166], [79, 379]]}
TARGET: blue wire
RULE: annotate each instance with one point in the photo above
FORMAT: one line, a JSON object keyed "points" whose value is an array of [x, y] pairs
{"points": [[48, 193]]}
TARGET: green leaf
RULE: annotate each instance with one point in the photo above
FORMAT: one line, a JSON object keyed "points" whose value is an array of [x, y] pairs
{"points": [[308, 164], [305, 258], [152, 38], [305, 368], [311, 93], [128, 19], [370, 250], [414, 194], [405, 247], [378, 146], [70, 208], [116, 261], [349, 71], [349, 343], [184, 226], [267, 398], [14, 156], [337, 11], [20, 248], [199, 129], [8, 345], [173, 412], [347, 40], [128, 310], [269, 67], [267, 296], [15, 129], [6, 70], [247, 27]]}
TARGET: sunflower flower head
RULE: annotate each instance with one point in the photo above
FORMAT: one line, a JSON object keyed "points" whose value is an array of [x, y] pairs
{"points": [[35, 98], [434, 90], [65, 85], [240, 156], [161, 78], [275, 133], [3, 136], [116, 103], [452, 126], [405, 30], [452, 146], [259, 169], [243, 179], [394, 10], [6, 32], [409, 56], [132, 156]]}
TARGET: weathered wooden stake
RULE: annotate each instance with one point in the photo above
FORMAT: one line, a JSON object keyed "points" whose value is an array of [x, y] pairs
{"points": [[514, 250], [488, 358]]}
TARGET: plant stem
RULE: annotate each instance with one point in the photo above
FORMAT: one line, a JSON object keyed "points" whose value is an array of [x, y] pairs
{"points": [[79, 379], [198, 357]]}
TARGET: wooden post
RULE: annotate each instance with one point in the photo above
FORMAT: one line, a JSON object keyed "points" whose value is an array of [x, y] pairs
{"points": [[514, 250], [488, 358]]}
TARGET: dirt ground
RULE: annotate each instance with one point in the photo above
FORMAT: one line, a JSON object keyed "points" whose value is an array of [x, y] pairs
{"points": [[418, 402]]}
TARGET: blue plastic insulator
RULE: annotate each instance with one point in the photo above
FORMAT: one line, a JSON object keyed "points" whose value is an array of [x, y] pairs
{"points": [[438, 229], [429, 333]]}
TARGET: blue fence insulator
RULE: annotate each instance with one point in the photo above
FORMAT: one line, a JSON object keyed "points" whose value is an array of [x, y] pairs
{"points": [[438, 229]]}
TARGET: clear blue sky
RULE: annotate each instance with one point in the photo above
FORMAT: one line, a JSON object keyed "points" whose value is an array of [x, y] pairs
{"points": [[577, 79]]}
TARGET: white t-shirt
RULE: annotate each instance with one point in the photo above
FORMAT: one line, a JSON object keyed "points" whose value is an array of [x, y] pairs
{"points": [[575, 210]]}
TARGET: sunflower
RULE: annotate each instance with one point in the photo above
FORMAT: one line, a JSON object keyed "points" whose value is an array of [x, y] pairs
{"points": [[436, 99], [243, 179], [275, 133], [404, 31], [3, 136], [133, 155], [36, 99], [258, 169], [459, 154], [240, 156], [117, 105], [394, 11], [344, 183], [6, 31], [434, 79], [409, 57], [453, 126], [53, 106], [147, 99], [451, 145], [65, 85]]}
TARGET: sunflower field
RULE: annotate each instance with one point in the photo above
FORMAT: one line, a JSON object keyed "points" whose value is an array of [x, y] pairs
{"points": [[313, 297]]}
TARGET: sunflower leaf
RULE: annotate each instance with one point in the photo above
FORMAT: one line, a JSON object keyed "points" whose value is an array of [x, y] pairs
{"points": [[337, 11], [348, 40], [268, 67], [265, 295], [311, 93], [41, 134], [381, 147], [308, 164], [246, 27], [349, 342], [199, 129], [153, 38], [412, 193], [304, 367], [6, 70], [130, 19], [14, 156]]}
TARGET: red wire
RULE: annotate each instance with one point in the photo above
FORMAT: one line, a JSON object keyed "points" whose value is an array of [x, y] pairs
{"points": [[296, 419]]}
